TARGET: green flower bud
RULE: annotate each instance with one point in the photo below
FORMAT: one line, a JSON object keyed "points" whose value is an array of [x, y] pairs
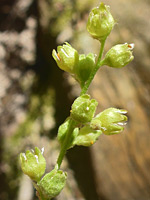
{"points": [[119, 55], [33, 163], [84, 67], [100, 22], [110, 121], [52, 183], [87, 136], [62, 131], [83, 109], [66, 57]]}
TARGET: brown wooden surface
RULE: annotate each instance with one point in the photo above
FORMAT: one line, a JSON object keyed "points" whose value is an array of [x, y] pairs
{"points": [[122, 162]]}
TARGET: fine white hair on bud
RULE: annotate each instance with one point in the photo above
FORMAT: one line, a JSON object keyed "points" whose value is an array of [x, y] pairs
{"points": [[104, 128], [87, 108], [121, 111], [24, 155], [36, 158], [56, 55], [42, 150], [32, 150], [64, 52], [121, 123]]}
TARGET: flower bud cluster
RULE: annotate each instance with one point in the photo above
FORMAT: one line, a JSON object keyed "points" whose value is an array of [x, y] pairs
{"points": [[33, 164], [109, 122], [100, 24], [82, 127], [79, 66]]}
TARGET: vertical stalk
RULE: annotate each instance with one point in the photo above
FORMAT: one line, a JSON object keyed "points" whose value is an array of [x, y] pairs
{"points": [[98, 65], [73, 124], [64, 146]]}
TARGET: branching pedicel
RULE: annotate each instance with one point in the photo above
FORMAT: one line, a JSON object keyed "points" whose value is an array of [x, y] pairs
{"points": [[83, 69]]}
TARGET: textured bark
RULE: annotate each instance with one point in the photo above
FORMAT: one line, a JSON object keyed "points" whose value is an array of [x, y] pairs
{"points": [[122, 162]]}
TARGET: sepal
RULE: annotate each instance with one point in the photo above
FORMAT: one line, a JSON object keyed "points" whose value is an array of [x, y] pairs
{"points": [[87, 136], [62, 131]]}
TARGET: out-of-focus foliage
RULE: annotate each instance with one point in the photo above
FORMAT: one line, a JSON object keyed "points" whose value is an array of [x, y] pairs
{"points": [[30, 100]]}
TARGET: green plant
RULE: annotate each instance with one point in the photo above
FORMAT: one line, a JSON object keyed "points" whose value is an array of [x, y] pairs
{"points": [[81, 127]]}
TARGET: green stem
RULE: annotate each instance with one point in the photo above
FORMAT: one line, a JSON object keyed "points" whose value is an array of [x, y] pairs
{"points": [[64, 146], [98, 65]]}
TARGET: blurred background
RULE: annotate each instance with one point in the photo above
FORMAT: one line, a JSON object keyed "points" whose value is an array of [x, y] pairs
{"points": [[35, 98]]}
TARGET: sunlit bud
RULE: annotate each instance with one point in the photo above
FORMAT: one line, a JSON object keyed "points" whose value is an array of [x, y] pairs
{"points": [[83, 109], [100, 22], [33, 163], [119, 55], [84, 67], [110, 121], [63, 130], [52, 183], [66, 57], [87, 136]]}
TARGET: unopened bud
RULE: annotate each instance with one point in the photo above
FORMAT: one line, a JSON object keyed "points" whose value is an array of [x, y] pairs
{"points": [[33, 163], [84, 67], [119, 55], [83, 109], [66, 57], [110, 121], [52, 183], [87, 136], [100, 22]]}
